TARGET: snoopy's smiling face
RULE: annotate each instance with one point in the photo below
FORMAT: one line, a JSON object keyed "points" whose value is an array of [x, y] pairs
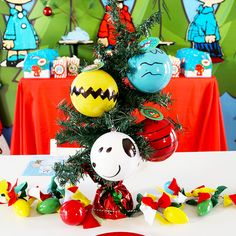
{"points": [[114, 156]]}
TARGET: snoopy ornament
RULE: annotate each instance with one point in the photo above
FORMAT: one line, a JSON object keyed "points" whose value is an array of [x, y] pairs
{"points": [[114, 156]]}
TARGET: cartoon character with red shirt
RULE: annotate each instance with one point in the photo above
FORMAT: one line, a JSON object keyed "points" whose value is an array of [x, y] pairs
{"points": [[106, 33]]}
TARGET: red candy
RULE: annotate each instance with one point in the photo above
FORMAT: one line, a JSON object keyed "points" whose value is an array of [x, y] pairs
{"points": [[72, 212]]}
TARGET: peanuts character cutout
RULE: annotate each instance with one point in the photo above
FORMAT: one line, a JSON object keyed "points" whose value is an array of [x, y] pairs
{"points": [[204, 32], [19, 36], [106, 33]]}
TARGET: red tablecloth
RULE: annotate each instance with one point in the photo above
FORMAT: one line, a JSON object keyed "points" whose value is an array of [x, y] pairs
{"points": [[195, 101], [196, 104]]}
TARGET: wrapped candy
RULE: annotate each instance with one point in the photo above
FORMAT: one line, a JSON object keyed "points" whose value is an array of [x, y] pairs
{"points": [[162, 209], [112, 202], [204, 198], [229, 200]]}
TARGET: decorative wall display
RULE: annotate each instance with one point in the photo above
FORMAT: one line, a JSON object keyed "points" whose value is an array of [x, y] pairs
{"points": [[173, 27], [129, 3], [106, 33], [204, 32], [19, 36]]}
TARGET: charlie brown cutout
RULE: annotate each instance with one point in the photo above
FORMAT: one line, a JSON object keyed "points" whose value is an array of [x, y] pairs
{"points": [[106, 33], [204, 31], [19, 36]]}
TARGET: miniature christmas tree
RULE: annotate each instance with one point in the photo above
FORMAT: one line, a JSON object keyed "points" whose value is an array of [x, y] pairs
{"points": [[86, 127]]}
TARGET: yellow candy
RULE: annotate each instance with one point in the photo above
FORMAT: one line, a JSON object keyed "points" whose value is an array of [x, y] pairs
{"points": [[195, 192], [227, 201], [153, 197], [3, 186], [21, 208], [93, 93], [175, 215], [80, 196], [161, 219]]}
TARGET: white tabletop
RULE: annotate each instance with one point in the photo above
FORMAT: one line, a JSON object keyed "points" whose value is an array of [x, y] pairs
{"points": [[190, 169]]}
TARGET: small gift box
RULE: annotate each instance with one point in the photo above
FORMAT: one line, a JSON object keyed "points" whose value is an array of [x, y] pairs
{"points": [[195, 63], [38, 64], [73, 64], [175, 66], [60, 67]]}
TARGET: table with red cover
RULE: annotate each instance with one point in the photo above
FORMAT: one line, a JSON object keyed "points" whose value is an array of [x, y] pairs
{"points": [[196, 103]]}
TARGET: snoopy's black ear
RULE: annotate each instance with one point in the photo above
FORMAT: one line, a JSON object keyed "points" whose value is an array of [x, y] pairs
{"points": [[129, 147]]}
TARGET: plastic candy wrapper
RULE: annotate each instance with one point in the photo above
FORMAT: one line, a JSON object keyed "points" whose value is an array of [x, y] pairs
{"points": [[21, 198], [112, 202], [162, 207], [166, 206], [204, 198], [229, 200]]}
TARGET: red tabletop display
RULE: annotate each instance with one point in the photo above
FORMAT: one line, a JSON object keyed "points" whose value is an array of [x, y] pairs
{"points": [[196, 104]]}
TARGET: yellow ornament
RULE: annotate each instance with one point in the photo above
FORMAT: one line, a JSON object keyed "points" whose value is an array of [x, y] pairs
{"points": [[22, 208], [93, 93], [175, 215]]}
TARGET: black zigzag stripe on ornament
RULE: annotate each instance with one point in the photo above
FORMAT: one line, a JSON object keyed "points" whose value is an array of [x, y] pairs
{"points": [[99, 93]]}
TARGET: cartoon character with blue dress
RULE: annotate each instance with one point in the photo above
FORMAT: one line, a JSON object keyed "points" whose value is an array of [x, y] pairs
{"points": [[19, 36], [204, 32]]}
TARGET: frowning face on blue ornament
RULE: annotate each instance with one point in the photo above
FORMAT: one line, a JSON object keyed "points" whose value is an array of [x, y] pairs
{"points": [[151, 71]]}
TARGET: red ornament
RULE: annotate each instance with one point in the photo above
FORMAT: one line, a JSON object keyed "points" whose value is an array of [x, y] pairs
{"points": [[47, 11], [72, 212], [162, 137], [104, 205]]}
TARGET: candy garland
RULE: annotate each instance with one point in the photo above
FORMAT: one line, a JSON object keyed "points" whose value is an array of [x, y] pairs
{"points": [[167, 208], [74, 208]]}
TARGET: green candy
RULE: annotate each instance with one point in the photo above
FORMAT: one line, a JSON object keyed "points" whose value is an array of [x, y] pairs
{"points": [[204, 207], [48, 206]]}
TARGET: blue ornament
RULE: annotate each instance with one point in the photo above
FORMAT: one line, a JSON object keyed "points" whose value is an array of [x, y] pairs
{"points": [[151, 71]]}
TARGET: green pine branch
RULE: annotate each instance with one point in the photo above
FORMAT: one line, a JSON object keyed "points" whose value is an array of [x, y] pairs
{"points": [[85, 130]]}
